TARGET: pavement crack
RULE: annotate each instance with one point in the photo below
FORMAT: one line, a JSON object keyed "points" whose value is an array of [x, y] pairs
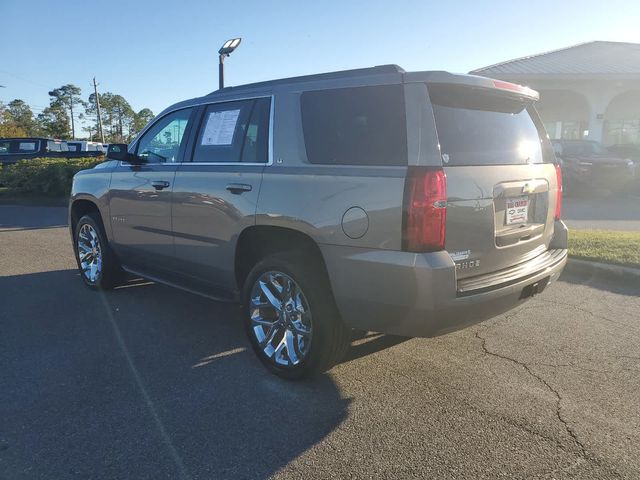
{"points": [[476, 408], [578, 367], [628, 357], [567, 427], [588, 312]]}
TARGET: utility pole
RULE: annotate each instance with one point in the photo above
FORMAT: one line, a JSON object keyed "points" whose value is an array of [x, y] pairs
{"points": [[95, 90], [73, 127]]}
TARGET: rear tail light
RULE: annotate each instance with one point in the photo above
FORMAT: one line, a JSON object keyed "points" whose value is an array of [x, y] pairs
{"points": [[559, 192], [424, 210]]}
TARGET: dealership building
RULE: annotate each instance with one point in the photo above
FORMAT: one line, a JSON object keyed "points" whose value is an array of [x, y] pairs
{"points": [[591, 90]]}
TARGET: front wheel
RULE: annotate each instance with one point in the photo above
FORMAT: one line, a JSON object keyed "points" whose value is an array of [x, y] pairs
{"points": [[291, 318], [99, 267]]}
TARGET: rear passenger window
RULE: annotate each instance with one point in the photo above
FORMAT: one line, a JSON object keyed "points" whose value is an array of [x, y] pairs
{"points": [[234, 132], [355, 126]]}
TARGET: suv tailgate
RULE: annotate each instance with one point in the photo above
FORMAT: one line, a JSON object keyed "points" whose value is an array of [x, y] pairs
{"points": [[501, 180]]}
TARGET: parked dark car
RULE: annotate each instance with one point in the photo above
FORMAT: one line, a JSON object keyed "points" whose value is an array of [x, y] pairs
{"points": [[588, 165], [14, 149], [630, 151]]}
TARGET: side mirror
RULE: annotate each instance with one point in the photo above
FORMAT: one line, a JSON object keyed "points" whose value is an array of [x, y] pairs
{"points": [[119, 151]]}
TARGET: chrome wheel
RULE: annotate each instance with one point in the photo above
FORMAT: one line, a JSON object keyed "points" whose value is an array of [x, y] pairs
{"points": [[89, 253], [280, 318]]}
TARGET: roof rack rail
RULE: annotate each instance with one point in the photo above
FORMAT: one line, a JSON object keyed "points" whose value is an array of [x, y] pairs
{"points": [[377, 70]]}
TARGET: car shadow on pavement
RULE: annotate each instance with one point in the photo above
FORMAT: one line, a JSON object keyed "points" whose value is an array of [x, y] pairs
{"points": [[20, 217], [369, 343], [603, 281], [143, 382]]}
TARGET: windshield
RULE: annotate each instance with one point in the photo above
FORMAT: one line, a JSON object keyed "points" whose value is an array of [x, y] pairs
{"points": [[583, 148], [478, 127]]}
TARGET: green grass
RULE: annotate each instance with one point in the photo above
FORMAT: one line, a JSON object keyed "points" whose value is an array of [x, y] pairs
{"points": [[620, 248]]}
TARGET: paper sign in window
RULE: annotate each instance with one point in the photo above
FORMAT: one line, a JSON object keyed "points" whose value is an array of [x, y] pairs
{"points": [[220, 127], [27, 146]]}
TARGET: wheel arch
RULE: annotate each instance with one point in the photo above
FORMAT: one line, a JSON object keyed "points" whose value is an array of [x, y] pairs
{"points": [[257, 241], [82, 206]]}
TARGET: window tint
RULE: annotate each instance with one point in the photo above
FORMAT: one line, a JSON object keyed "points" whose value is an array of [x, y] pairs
{"points": [[57, 146], [234, 132], [256, 143], [355, 126], [18, 146], [583, 148], [476, 127], [161, 143]]}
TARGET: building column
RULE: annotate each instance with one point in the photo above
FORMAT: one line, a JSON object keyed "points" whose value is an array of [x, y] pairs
{"points": [[598, 101]]}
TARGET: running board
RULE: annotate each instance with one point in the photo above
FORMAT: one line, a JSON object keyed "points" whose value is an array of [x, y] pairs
{"points": [[234, 298]]}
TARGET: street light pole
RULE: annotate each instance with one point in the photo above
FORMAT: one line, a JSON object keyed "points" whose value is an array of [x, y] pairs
{"points": [[226, 49], [221, 72]]}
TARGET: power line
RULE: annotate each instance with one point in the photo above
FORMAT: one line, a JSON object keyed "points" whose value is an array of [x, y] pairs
{"points": [[22, 78]]}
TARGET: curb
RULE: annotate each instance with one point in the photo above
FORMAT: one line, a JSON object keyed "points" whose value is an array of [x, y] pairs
{"points": [[616, 272]]}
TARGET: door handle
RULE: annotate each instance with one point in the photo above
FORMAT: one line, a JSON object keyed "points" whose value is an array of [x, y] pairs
{"points": [[238, 188], [160, 184]]}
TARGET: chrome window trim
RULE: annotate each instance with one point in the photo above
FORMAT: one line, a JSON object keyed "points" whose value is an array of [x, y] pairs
{"points": [[250, 164]]}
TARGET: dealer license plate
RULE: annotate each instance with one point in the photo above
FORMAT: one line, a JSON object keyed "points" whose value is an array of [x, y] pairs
{"points": [[517, 210]]}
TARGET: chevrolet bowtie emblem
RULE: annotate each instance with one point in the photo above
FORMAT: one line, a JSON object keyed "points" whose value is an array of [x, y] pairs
{"points": [[528, 188]]}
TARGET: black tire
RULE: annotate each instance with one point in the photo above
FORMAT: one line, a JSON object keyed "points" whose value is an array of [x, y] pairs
{"points": [[330, 337], [111, 273]]}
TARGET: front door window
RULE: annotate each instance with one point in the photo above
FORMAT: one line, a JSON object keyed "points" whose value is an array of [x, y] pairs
{"points": [[161, 143]]}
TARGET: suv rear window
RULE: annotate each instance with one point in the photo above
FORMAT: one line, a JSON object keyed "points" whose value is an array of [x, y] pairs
{"points": [[355, 126], [478, 127]]}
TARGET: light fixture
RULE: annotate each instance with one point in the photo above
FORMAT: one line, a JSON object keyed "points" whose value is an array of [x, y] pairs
{"points": [[226, 49]]}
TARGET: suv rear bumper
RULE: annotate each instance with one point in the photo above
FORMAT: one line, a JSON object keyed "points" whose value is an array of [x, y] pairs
{"points": [[417, 295]]}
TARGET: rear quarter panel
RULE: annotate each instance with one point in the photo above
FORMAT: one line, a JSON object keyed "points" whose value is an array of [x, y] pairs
{"points": [[327, 202], [314, 199]]}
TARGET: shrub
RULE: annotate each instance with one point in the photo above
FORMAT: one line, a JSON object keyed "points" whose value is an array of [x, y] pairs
{"points": [[44, 176]]}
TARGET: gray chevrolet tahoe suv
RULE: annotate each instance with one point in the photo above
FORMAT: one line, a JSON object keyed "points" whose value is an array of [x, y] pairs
{"points": [[407, 203]]}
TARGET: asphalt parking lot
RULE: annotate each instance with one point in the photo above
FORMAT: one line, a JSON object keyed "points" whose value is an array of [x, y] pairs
{"points": [[150, 382]]}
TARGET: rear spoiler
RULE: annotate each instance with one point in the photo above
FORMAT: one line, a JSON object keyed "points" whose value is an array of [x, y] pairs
{"points": [[473, 81]]}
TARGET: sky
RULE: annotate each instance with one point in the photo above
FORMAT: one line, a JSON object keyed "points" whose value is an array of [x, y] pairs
{"points": [[155, 53]]}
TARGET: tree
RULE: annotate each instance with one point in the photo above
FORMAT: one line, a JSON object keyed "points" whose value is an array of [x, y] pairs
{"points": [[67, 97], [54, 122], [123, 114], [9, 130], [140, 120], [91, 111], [19, 113], [8, 127]]}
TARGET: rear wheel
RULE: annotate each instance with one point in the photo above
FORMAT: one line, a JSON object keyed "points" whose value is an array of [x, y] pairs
{"points": [[99, 267], [291, 318]]}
